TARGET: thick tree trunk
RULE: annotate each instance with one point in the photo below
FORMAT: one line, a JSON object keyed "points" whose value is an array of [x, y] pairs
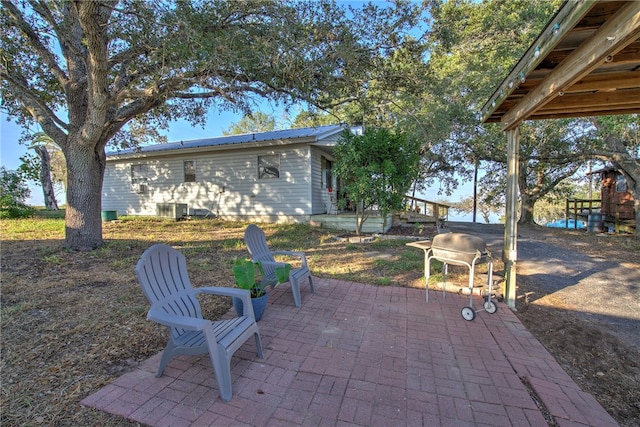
{"points": [[526, 209], [50, 201], [528, 197], [85, 169]]}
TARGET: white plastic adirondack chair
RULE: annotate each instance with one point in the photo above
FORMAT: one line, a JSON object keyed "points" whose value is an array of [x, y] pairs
{"points": [[162, 272], [256, 242]]}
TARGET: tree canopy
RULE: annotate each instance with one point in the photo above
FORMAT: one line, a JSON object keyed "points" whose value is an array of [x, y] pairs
{"points": [[252, 123], [473, 46], [114, 72]]}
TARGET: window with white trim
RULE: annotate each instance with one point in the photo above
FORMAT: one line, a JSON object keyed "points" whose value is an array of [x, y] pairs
{"points": [[189, 171], [139, 178], [269, 166]]}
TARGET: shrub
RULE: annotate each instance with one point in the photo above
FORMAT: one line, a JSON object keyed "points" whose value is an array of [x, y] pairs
{"points": [[13, 195], [12, 212]]}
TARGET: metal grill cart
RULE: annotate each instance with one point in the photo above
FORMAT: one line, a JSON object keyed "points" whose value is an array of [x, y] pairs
{"points": [[463, 250]]}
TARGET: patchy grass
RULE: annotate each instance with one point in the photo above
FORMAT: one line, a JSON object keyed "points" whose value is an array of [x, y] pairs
{"points": [[72, 322]]}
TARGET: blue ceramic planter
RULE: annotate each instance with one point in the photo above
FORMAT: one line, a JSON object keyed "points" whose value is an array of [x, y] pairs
{"points": [[259, 305]]}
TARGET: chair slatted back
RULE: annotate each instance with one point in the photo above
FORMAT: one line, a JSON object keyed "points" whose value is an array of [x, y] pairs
{"points": [[256, 242], [162, 273]]}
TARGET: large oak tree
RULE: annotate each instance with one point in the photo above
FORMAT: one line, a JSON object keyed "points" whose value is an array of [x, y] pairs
{"points": [[93, 73]]}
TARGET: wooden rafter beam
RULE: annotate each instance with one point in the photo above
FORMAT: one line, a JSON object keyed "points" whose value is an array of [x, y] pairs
{"points": [[573, 114], [606, 81], [593, 82], [599, 100], [619, 31]]}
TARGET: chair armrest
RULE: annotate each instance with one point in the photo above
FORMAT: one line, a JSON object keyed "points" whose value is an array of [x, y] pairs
{"points": [[218, 290], [175, 321], [289, 253], [300, 255], [243, 294]]}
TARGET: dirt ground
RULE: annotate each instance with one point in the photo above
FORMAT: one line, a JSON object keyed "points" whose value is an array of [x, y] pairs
{"points": [[73, 322]]}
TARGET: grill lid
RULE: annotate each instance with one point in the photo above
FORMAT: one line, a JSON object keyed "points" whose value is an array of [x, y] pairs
{"points": [[458, 247]]}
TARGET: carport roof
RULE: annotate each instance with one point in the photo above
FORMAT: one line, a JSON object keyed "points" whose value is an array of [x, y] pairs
{"points": [[586, 62]]}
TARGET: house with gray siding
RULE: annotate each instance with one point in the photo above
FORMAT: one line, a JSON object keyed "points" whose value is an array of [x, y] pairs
{"points": [[278, 176]]}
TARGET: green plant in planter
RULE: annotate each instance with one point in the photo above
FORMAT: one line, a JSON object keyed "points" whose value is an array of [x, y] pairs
{"points": [[249, 275]]}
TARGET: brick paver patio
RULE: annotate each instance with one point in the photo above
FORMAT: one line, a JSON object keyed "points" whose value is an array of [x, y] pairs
{"points": [[357, 354]]}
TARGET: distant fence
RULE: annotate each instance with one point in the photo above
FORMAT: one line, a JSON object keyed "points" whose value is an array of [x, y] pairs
{"points": [[590, 210], [581, 209]]}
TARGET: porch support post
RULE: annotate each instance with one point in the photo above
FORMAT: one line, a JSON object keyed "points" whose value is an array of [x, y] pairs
{"points": [[510, 254]]}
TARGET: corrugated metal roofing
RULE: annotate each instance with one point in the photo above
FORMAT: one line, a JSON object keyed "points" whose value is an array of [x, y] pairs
{"points": [[315, 132]]}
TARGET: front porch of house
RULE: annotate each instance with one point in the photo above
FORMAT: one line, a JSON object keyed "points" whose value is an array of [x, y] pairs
{"points": [[417, 211], [347, 221]]}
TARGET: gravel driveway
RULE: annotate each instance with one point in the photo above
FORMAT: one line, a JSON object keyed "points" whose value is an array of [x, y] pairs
{"points": [[563, 273]]}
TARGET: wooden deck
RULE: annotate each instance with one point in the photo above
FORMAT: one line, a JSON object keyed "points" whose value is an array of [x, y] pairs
{"points": [[419, 211]]}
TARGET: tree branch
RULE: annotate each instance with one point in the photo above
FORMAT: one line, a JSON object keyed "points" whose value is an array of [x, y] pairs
{"points": [[44, 11], [40, 48], [37, 108], [93, 18]]}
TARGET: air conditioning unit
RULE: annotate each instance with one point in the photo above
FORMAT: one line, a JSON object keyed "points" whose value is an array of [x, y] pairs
{"points": [[171, 210]]}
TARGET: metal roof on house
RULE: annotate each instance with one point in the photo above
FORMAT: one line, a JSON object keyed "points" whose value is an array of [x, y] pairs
{"points": [[313, 133]]}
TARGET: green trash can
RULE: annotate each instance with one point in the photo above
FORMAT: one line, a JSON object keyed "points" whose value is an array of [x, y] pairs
{"points": [[109, 215]]}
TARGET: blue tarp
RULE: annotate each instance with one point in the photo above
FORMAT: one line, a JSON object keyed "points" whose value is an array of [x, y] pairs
{"points": [[561, 223]]}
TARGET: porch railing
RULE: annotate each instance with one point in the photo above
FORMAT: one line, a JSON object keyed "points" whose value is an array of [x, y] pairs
{"points": [[421, 210]]}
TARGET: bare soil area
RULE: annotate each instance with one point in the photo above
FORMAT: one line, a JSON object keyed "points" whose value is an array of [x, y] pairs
{"points": [[579, 294], [72, 322]]}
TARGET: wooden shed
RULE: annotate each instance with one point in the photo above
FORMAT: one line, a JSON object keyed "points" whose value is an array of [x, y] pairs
{"points": [[617, 200]]}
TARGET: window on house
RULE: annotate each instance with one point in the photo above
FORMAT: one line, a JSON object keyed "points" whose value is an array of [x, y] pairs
{"points": [[269, 166], [621, 184], [327, 176], [139, 178], [189, 171]]}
